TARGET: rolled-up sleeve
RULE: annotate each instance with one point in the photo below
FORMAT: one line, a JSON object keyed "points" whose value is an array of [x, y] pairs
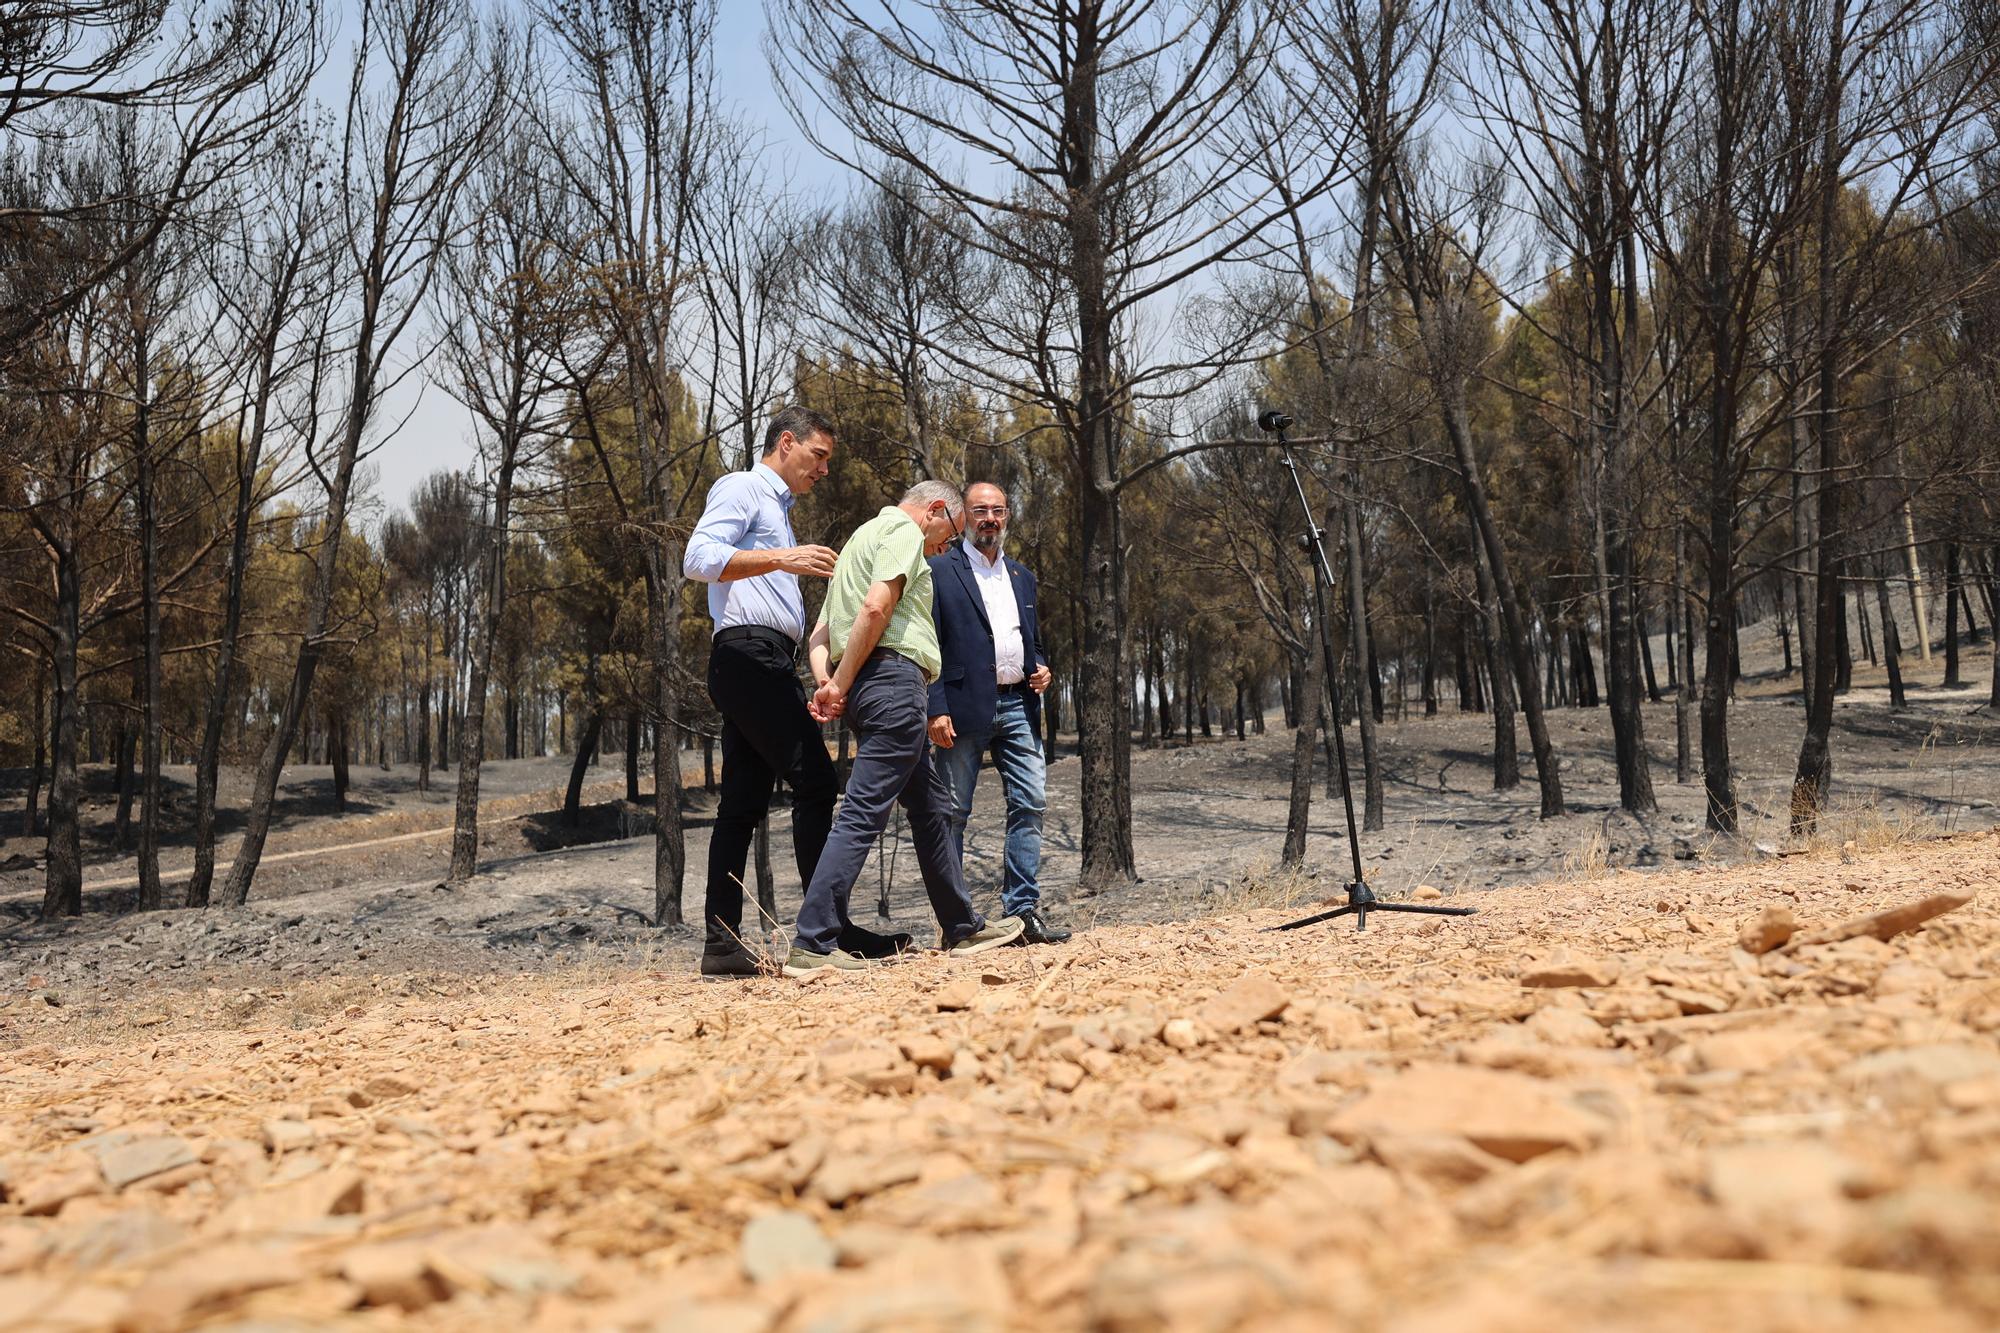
{"points": [[732, 503]]}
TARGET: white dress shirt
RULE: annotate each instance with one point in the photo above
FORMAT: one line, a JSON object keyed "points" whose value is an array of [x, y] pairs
{"points": [[996, 589]]}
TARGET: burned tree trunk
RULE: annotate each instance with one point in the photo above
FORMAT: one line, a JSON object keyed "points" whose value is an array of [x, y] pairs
{"points": [[62, 893], [31, 810], [1952, 680], [1298, 816], [1891, 644], [412, 137], [1506, 749]]}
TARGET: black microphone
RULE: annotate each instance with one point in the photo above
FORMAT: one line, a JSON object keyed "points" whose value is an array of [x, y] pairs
{"points": [[1271, 420]]}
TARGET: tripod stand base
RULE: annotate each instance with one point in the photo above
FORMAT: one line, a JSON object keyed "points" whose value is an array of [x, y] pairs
{"points": [[1361, 900]]}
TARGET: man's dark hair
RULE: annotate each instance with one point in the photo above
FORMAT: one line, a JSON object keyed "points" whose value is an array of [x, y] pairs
{"points": [[801, 421]]}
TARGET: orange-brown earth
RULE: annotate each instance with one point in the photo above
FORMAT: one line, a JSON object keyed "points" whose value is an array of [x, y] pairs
{"points": [[1717, 1098]]}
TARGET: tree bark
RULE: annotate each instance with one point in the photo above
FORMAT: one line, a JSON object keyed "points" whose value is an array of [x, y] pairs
{"points": [[1506, 749], [669, 838], [336, 754], [1188, 699], [1458, 427], [1951, 599], [124, 741], [1918, 614], [1861, 616], [1430, 646], [149, 602], [767, 882], [1147, 665], [424, 678], [1682, 665], [1843, 678], [1814, 774], [1993, 591], [208, 761], [1646, 657], [312, 645], [472, 739], [1785, 630], [1717, 772], [1891, 647], [586, 749], [1361, 644], [62, 892], [1616, 428], [1298, 816], [1588, 694], [1463, 663], [31, 811], [1104, 732]]}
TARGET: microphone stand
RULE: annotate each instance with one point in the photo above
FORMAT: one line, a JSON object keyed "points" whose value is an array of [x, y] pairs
{"points": [[1361, 900]]}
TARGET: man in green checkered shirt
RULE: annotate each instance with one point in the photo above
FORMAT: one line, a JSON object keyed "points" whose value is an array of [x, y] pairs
{"points": [[874, 654]]}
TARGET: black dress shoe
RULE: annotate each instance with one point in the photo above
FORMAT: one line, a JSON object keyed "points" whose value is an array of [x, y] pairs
{"points": [[736, 962], [1038, 930], [865, 943]]}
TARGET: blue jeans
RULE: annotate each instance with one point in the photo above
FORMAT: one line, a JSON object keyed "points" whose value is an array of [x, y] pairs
{"points": [[1023, 776], [887, 709]]}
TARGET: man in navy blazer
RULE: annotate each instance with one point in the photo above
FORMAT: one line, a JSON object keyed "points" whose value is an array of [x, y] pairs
{"points": [[988, 697]]}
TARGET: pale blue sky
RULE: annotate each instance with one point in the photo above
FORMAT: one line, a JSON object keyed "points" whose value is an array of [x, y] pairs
{"points": [[439, 433]]}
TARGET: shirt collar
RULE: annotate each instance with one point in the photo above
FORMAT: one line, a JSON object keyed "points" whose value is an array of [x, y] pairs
{"points": [[767, 474], [979, 560]]}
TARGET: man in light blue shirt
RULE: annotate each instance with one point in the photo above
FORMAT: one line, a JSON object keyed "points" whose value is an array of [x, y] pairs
{"points": [[744, 550]]}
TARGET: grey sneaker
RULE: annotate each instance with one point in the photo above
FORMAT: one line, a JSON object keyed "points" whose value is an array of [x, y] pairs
{"points": [[801, 962], [1002, 931]]}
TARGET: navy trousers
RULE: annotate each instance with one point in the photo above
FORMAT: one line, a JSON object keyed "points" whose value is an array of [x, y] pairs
{"points": [[888, 711]]}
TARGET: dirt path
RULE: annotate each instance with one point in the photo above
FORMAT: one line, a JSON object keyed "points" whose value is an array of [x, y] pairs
{"points": [[281, 858], [1588, 1106]]}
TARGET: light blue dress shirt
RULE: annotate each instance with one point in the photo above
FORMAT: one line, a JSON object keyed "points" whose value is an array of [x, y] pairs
{"points": [[747, 511]]}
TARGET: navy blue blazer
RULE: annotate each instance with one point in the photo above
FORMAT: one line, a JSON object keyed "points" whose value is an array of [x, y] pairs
{"points": [[966, 688]]}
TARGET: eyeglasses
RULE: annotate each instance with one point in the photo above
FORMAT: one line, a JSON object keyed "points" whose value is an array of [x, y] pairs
{"points": [[988, 511]]}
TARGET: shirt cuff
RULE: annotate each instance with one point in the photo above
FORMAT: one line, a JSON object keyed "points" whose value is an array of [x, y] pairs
{"points": [[706, 560]]}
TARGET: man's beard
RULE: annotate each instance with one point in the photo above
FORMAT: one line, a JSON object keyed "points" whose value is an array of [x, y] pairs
{"points": [[988, 544]]}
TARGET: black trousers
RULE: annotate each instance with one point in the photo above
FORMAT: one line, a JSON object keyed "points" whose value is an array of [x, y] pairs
{"points": [[766, 732]]}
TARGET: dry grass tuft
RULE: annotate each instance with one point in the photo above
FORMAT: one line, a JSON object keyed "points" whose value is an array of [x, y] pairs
{"points": [[1262, 886], [1587, 862], [1859, 829]]}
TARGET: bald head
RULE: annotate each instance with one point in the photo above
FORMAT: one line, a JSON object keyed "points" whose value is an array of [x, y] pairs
{"points": [[986, 517]]}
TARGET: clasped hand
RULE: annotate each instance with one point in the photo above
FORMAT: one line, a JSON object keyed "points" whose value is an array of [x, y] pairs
{"points": [[828, 702]]}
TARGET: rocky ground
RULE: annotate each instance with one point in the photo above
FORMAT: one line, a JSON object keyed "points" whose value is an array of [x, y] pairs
{"points": [[1765, 1096]]}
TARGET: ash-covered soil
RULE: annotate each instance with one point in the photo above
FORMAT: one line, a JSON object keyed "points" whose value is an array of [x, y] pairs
{"points": [[1765, 1096], [361, 895]]}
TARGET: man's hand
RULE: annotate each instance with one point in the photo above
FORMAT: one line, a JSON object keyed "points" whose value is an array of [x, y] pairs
{"points": [[829, 701], [812, 561], [1041, 679], [941, 731]]}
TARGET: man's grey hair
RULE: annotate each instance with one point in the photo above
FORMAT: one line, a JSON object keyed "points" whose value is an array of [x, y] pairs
{"points": [[929, 492]]}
